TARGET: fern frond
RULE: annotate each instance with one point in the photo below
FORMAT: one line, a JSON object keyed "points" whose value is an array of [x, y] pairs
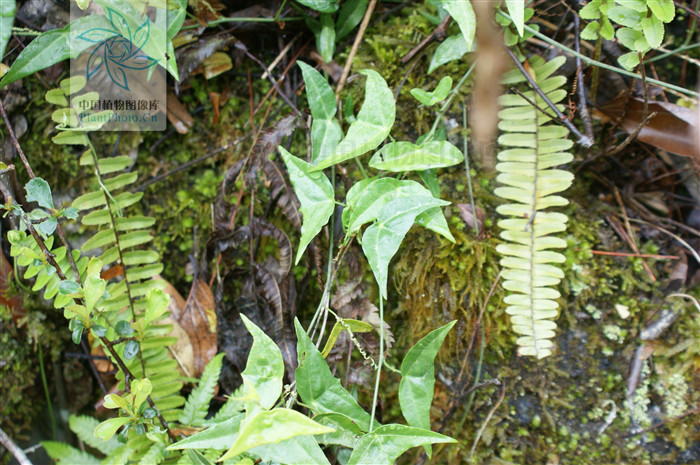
{"points": [[121, 235], [197, 406], [64, 454], [119, 456], [532, 148], [84, 427], [120, 241]]}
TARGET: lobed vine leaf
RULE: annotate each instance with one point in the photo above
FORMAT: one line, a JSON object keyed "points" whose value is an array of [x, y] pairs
{"points": [[438, 95], [463, 13], [451, 49], [366, 199], [265, 367], [300, 450], [385, 444], [325, 130], [373, 123], [219, 436], [349, 16], [346, 431], [324, 6], [516, 10], [272, 427], [381, 240], [7, 19], [356, 326], [315, 192], [417, 384], [317, 386], [406, 156], [318, 93]]}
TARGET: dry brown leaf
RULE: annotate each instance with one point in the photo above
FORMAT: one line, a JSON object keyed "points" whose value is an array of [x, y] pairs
{"points": [[216, 64], [215, 98], [198, 319], [674, 128], [465, 211], [182, 351], [178, 115]]}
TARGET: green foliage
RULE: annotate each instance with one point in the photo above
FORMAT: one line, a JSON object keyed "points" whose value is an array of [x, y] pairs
{"points": [[197, 406], [273, 427], [325, 130], [406, 156], [516, 9], [463, 13], [64, 454], [381, 240], [451, 49], [286, 436], [418, 379], [28, 254], [7, 19], [316, 195], [317, 386], [642, 24], [324, 6], [534, 147], [438, 95], [371, 200], [57, 45], [372, 126], [84, 427], [349, 16], [385, 444]]}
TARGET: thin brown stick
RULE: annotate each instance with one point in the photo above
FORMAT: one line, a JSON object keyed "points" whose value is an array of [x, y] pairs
{"points": [[355, 46], [438, 34], [488, 418], [14, 449], [582, 103], [638, 255], [15, 142], [583, 140], [190, 163], [693, 252], [241, 46], [632, 242]]}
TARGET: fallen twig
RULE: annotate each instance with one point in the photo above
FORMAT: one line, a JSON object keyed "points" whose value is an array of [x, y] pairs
{"points": [[438, 34], [583, 140], [14, 449], [355, 46], [488, 418], [638, 255]]}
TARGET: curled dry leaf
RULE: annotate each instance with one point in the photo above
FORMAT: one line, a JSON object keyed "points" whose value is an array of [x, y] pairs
{"points": [[198, 319], [194, 325], [674, 128], [465, 211]]}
